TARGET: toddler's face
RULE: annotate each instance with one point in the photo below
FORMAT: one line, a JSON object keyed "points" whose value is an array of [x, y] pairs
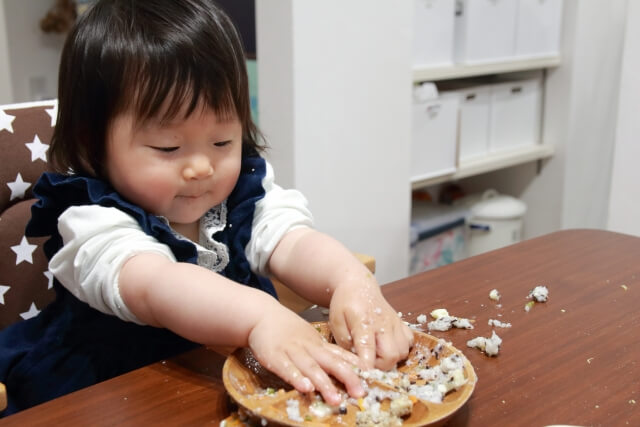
{"points": [[178, 170]]}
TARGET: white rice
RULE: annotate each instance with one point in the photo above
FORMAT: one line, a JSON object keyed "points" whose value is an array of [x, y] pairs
{"points": [[490, 346], [539, 294], [499, 324]]}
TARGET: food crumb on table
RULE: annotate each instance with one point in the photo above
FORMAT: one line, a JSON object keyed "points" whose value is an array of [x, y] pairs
{"points": [[443, 321], [539, 294], [490, 346], [499, 324]]}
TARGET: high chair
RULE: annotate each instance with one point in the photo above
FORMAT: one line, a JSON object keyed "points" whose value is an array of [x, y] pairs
{"points": [[25, 282]]}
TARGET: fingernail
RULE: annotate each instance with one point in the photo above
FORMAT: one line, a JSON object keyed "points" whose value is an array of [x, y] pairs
{"points": [[308, 385]]}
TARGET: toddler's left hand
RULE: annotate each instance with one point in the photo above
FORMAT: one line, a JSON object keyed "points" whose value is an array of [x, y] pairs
{"points": [[363, 321]]}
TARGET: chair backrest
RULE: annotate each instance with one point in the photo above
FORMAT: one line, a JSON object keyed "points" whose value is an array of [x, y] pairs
{"points": [[25, 283]]}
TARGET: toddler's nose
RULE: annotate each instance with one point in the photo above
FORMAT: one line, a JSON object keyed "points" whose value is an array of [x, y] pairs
{"points": [[197, 168]]}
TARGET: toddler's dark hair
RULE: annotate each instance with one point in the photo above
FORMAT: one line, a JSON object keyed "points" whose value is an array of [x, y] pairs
{"points": [[142, 56]]}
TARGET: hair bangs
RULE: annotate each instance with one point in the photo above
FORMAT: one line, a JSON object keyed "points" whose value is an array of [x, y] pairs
{"points": [[171, 92]]}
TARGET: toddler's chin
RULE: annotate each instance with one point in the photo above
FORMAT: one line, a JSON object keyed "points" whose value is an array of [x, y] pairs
{"points": [[188, 218]]}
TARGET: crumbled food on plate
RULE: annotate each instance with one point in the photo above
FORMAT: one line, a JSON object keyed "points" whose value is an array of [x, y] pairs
{"points": [[539, 294], [499, 324], [490, 346], [390, 396], [293, 410], [494, 295], [319, 409], [403, 389], [422, 319]]}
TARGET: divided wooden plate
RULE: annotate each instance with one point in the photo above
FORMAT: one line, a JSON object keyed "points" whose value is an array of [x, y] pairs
{"points": [[246, 380]]}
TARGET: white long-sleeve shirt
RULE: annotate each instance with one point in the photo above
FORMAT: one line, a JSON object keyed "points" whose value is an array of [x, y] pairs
{"points": [[98, 240]]}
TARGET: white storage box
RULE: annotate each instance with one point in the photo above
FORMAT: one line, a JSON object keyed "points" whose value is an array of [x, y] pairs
{"points": [[438, 235], [485, 30], [435, 121], [539, 28], [475, 115], [515, 114], [433, 32]]}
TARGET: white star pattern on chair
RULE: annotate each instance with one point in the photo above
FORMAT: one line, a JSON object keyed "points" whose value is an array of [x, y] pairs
{"points": [[18, 187], [49, 276], [3, 290], [38, 149], [5, 121], [33, 312], [53, 112], [24, 251]]}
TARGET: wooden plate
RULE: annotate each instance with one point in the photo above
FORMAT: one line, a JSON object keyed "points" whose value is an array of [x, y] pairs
{"points": [[246, 381]]}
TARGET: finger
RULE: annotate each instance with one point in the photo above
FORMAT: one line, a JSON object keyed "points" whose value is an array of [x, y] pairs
{"points": [[340, 330], [407, 336], [402, 342], [346, 355], [408, 333], [316, 374], [287, 370], [343, 371], [387, 350], [364, 342]]}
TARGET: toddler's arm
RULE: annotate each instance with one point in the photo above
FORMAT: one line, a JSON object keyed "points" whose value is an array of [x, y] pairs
{"points": [[108, 262], [207, 308], [322, 270]]}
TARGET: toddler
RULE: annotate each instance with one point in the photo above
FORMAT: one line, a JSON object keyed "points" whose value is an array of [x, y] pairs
{"points": [[165, 221]]}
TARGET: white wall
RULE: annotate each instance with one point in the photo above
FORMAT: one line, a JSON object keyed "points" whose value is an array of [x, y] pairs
{"points": [[624, 204], [595, 80], [32, 55], [334, 101]]}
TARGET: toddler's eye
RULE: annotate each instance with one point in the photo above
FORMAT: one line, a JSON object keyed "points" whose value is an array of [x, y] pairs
{"points": [[165, 149], [222, 143]]}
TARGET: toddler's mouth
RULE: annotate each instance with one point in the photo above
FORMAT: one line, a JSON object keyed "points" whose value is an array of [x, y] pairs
{"points": [[190, 196]]}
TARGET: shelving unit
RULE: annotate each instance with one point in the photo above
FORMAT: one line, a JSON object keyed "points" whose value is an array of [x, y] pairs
{"points": [[422, 74], [496, 160], [491, 162]]}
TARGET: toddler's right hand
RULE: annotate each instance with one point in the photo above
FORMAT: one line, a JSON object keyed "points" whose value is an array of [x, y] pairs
{"points": [[291, 348]]}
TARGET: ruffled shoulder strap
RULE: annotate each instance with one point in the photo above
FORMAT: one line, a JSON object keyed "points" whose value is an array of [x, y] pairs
{"points": [[57, 192], [241, 205]]}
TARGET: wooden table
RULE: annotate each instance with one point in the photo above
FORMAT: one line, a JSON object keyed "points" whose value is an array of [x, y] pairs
{"points": [[571, 360]]}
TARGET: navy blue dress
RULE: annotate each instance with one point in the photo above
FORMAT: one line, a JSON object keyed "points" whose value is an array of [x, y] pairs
{"points": [[70, 345]]}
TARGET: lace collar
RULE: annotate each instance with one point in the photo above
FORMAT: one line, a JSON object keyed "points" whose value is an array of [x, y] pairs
{"points": [[212, 255]]}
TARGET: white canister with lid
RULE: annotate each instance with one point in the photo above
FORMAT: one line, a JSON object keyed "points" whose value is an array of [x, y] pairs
{"points": [[496, 221]]}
